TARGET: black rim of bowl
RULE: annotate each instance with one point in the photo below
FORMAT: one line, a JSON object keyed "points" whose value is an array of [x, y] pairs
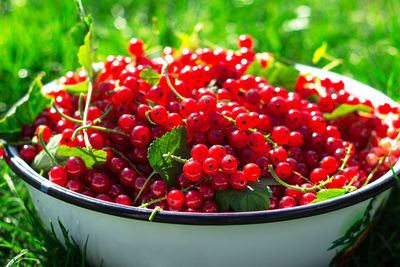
{"points": [[23, 170]]}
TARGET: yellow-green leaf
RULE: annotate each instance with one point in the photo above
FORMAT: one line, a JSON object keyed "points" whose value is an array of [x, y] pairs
{"points": [[150, 76], [78, 88], [319, 53], [86, 53], [346, 109]]}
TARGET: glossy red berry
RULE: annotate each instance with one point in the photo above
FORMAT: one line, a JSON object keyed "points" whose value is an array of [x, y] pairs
{"points": [[75, 167], [245, 41], [123, 200], [193, 199], [127, 177], [175, 198], [287, 202], [220, 181], [238, 180], [229, 164], [136, 47], [210, 166], [217, 152], [158, 189], [100, 182], [199, 152], [329, 164], [193, 170], [127, 122], [280, 135], [58, 175], [158, 114], [46, 132], [140, 136], [251, 171], [283, 170], [307, 198]]}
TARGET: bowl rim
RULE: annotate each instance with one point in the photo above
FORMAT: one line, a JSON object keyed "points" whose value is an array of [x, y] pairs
{"points": [[31, 177]]}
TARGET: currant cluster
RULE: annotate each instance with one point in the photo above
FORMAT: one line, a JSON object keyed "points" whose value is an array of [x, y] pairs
{"points": [[238, 125]]}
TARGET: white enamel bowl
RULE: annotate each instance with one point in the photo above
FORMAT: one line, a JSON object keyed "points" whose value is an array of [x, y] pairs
{"points": [[122, 236]]}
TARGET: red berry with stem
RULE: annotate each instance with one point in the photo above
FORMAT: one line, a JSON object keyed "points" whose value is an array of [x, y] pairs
{"points": [[193, 170], [117, 164], [96, 140], [238, 180], [174, 120], [243, 121], [245, 41], [188, 106], [75, 185], [207, 191], [251, 171], [75, 167], [58, 175], [287, 202], [317, 175], [46, 132], [28, 152], [256, 140], [283, 170], [175, 198], [158, 114]]}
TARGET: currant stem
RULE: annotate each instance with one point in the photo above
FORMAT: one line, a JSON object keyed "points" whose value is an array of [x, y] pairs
{"points": [[125, 158], [176, 158], [144, 185], [346, 158], [295, 187], [41, 142], [153, 214], [80, 102], [170, 84], [85, 113], [100, 119], [95, 128], [65, 116], [374, 171]]}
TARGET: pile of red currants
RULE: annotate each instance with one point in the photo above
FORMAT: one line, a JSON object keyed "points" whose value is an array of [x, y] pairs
{"points": [[240, 130]]}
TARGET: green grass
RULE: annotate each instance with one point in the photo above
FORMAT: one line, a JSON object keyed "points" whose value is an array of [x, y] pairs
{"points": [[36, 35]]}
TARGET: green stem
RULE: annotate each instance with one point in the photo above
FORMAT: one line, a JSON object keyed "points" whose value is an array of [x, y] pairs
{"points": [[170, 84], [176, 158], [80, 105], [125, 158], [65, 116], [144, 185], [100, 119], [295, 187], [41, 142], [86, 111], [346, 158], [153, 214], [374, 170], [96, 128]]}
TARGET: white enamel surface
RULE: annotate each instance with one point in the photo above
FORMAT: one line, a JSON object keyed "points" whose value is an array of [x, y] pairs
{"points": [[117, 241], [121, 241]]}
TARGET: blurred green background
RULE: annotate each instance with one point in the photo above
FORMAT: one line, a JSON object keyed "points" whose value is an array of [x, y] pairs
{"points": [[37, 35]]}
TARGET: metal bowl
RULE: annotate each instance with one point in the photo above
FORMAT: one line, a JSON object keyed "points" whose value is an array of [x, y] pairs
{"points": [[301, 236]]}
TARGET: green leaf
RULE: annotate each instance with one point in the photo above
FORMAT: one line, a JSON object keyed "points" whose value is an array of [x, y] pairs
{"points": [[346, 109], [92, 157], [277, 74], [173, 142], [150, 76], [78, 88], [24, 112], [326, 194], [319, 53], [42, 161], [254, 197], [86, 53]]}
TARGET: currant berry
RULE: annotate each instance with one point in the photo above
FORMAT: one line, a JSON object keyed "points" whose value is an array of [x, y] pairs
{"points": [[127, 122], [199, 152], [193, 170], [193, 199], [251, 171], [329, 164], [46, 132], [283, 170], [158, 114], [140, 136], [210, 166], [127, 177], [100, 182], [238, 180], [229, 164], [175, 198], [220, 181], [75, 167], [280, 135], [207, 104], [217, 152], [58, 175], [158, 189], [136, 47]]}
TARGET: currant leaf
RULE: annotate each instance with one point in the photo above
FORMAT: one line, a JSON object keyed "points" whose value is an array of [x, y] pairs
{"points": [[319, 53], [43, 161], [92, 157], [150, 76], [173, 143], [254, 197], [326, 194], [346, 109], [24, 112], [78, 88], [277, 74]]}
